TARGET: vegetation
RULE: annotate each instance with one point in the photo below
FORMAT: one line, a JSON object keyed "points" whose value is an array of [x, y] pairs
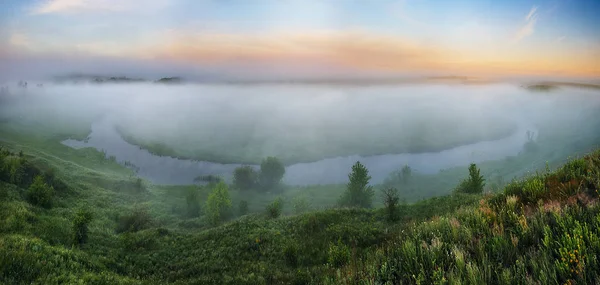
{"points": [[542, 229], [40, 193], [271, 173], [274, 209], [358, 193], [391, 200], [218, 204], [474, 184], [80, 226], [245, 178]]}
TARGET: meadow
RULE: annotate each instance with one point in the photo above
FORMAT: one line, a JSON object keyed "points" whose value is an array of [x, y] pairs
{"points": [[77, 216]]}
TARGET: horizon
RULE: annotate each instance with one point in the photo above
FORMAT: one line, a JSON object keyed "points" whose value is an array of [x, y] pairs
{"points": [[288, 40]]}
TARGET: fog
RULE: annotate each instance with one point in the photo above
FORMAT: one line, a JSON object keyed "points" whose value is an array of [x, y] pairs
{"points": [[318, 131]]}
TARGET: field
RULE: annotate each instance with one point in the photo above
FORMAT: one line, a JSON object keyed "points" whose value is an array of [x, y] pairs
{"points": [[541, 227]]}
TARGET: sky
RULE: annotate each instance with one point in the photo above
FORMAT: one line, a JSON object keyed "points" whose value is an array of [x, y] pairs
{"points": [[302, 37]]}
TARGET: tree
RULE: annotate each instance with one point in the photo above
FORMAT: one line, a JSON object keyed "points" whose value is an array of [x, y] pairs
{"points": [[80, 226], [271, 172], [391, 200], [406, 174], [40, 193], [358, 192], [274, 208], [193, 204], [218, 204], [244, 177], [474, 184]]}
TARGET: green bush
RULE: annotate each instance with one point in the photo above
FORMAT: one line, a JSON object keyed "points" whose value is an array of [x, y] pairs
{"points": [[271, 173], [290, 253], [80, 226], [218, 204], [193, 203], [39, 193], [391, 200], [338, 254], [358, 192], [474, 184], [137, 220], [274, 208], [245, 178], [300, 205]]}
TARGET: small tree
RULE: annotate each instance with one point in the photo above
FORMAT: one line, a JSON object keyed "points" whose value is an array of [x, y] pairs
{"points": [[301, 205], [39, 193], [193, 204], [358, 192], [80, 226], [274, 208], [406, 174], [218, 204], [271, 172], [391, 200], [245, 177], [474, 184]]}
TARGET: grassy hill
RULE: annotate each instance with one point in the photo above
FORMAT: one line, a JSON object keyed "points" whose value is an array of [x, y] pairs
{"points": [[542, 229]]}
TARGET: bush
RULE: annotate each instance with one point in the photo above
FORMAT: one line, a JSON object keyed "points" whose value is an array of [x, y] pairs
{"points": [[274, 208], [243, 208], [80, 226], [39, 193], [193, 204], [390, 201], [271, 173], [474, 184], [245, 178], [300, 205], [290, 254], [218, 204], [338, 254], [358, 192], [137, 220]]}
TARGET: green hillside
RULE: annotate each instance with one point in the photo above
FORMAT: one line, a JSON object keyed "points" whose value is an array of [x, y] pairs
{"points": [[72, 216]]}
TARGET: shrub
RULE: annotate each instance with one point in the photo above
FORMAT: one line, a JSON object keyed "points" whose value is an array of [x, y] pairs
{"points": [[80, 226], [474, 184], [406, 174], [243, 208], [244, 178], [210, 179], [271, 172], [139, 185], [358, 193], [290, 253], [274, 208], [338, 254], [137, 220], [390, 201], [39, 193], [193, 205], [218, 204], [300, 205]]}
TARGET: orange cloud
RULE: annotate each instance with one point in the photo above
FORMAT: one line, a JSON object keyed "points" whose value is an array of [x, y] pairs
{"points": [[367, 51]]}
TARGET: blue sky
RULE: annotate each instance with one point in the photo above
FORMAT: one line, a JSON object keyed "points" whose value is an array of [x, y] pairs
{"points": [[466, 36]]}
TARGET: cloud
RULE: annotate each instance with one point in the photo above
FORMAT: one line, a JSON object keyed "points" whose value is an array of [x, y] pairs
{"points": [[531, 13], [529, 27], [21, 41], [560, 39], [87, 6]]}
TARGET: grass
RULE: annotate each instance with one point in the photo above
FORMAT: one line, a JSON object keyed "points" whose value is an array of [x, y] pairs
{"points": [[511, 236]]}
